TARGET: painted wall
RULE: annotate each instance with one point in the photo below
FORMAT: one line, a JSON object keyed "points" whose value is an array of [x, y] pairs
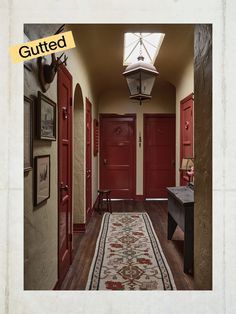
{"points": [[117, 101], [41, 222], [184, 87]]}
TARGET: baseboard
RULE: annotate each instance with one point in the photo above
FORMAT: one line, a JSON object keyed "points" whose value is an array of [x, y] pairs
{"points": [[79, 228], [139, 198]]}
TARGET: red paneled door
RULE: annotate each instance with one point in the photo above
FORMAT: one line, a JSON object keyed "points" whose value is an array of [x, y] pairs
{"points": [[159, 154], [64, 85], [186, 131], [117, 155], [88, 159]]}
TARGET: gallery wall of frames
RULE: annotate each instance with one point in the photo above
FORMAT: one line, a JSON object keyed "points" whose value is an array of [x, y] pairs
{"points": [[39, 115]]}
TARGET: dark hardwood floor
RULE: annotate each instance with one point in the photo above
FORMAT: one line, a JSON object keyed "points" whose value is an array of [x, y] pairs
{"points": [[84, 244]]}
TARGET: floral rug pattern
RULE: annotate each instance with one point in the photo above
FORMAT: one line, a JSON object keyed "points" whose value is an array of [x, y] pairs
{"points": [[128, 256]]}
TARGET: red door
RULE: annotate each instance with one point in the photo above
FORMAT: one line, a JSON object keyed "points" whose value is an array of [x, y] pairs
{"points": [[64, 85], [159, 154], [117, 155], [186, 131], [88, 159]]}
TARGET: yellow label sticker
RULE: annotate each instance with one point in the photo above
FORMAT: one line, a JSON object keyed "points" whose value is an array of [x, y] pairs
{"points": [[42, 47]]}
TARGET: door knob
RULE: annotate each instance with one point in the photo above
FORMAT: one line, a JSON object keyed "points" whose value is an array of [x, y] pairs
{"points": [[64, 187], [105, 161]]}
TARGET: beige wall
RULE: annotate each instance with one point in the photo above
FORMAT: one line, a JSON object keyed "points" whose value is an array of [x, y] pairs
{"points": [[184, 87], [41, 222], [117, 101]]}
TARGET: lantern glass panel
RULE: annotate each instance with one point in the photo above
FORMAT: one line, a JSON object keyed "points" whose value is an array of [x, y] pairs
{"points": [[133, 81], [147, 80]]}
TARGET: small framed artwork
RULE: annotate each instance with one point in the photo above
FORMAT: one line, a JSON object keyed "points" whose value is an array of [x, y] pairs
{"points": [[46, 118], [42, 179], [28, 136]]}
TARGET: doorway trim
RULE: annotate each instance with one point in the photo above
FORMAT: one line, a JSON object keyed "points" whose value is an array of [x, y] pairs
{"points": [[114, 115], [182, 102], [88, 137], [152, 115]]}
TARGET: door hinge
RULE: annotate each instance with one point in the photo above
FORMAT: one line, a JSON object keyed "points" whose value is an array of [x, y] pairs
{"points": [[70, 237]]}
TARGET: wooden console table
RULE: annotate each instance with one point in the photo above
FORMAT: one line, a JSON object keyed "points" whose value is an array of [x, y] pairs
{"points": [[181, 212]]}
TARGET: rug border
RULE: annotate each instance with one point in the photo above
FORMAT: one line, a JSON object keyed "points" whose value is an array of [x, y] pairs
{"points": [[162, 253], [96, 251], [171, 277]]}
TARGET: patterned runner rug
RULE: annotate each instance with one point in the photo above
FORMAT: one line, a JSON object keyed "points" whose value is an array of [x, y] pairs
{"points": [[128, 256]]}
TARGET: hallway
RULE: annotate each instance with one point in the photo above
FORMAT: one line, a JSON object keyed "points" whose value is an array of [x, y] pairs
{"points": [[76, 278], [88, 132]]}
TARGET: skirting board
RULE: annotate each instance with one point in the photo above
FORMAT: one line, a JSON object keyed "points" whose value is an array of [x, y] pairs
{"points": [[79, 228]]}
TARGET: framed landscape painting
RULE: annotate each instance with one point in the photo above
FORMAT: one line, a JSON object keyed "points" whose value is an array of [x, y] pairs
{"points": [[46, 118], [42, 179]]}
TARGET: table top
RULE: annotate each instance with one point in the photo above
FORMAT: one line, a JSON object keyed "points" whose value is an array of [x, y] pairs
{"points": [[182, 193]]}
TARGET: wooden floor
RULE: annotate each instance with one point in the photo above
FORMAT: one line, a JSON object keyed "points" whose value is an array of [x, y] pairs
{"points": [[85, 244]]}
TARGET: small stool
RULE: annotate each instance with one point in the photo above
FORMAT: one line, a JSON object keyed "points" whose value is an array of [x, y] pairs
{"points": [[104, 194]]}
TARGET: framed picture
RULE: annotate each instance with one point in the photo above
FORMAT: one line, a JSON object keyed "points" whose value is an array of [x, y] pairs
{"points": [[46, 116], [42, 179], [28, 136]]}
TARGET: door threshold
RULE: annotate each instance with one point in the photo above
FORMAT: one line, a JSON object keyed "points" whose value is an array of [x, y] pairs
{"points": [[156, 199], [122, 199]]}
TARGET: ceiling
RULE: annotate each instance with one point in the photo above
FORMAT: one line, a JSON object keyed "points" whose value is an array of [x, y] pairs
{"points": [[102, 47]]}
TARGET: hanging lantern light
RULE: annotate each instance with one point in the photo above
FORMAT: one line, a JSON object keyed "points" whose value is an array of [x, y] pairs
{"points": [[140, 77]]}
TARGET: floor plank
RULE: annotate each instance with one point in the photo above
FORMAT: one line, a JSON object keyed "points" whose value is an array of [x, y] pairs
{"points": [[84, 245]]}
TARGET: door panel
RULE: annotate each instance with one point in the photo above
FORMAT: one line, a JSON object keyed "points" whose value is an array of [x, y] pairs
{"points": [[64, 171], [88, 159], [159, 154], [186, 132], [117, 155]]}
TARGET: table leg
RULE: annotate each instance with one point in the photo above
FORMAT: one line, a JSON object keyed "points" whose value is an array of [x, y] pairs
{"points": [[171, 227], [188, 243], [100, 201]]}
